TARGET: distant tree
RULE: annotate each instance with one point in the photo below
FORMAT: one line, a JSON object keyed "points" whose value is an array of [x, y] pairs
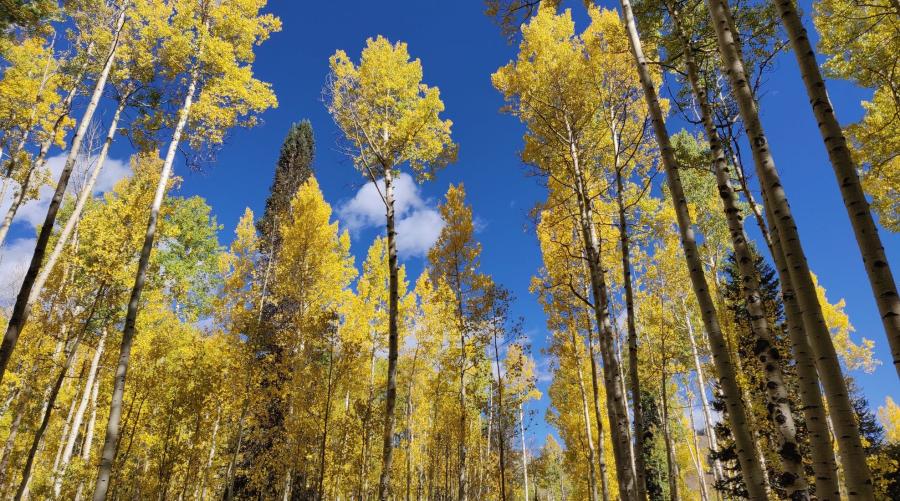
{"points": [[294, 167]]}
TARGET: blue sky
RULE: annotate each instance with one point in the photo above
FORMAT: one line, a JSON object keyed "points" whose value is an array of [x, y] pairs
{"points": [[460, 48]]}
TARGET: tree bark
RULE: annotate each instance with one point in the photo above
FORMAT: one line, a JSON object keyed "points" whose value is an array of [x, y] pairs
{"points": [[746, 448], [633, 378], [128, 331], [878, 268], [793, 478], [592, 476], [79, 416], [45, 420], [75, 217], [500, 429], [20, 311], [601, 446], [853, 457], [618, 418], [393, 341], [701, 391], [820, 444], [524, 449]]}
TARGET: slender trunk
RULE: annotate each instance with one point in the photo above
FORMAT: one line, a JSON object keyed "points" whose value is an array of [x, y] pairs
{"points": [[209, 459], [232, 463], [45, 420], [524, 449], [500, 429], [718, 473], [463, 411], [18, 199], [745, 446], [20, 311], [11, 441], [592, 476], [820, 443], [74, 218], [409, 430], [878, 268], [601, 437], [115, 408], [614, 397], [323, 448], [671, 466], [694, 448], [393, 342], [633, 379], [793, 478], [363, 487], [853, 457], [67, 428], [88, 442], [79, 416]]}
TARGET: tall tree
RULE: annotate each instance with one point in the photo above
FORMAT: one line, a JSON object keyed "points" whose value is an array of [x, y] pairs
{"points": [[551, 88], [210, 76], [454, 259], [878, 268], [389, 118], [748, 455], [20, 310], [294, 167], [846, 431]]}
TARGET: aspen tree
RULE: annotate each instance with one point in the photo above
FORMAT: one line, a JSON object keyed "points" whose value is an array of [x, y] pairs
{"points": [[221, 65], [454, 259], [793, 477], [551, 68], [856, 472], [20, 311], [389, 118], [747, 449], [857, 36]]}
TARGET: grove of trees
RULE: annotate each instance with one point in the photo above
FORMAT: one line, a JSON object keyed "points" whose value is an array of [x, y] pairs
{"points": [[144, 359]]}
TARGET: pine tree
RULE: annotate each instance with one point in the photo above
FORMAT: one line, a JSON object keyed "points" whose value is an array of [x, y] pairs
{"points": [[294, 167]]}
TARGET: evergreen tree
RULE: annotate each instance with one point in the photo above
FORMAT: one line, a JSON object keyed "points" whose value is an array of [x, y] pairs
{"points": [[752, 371], [294, 167]]}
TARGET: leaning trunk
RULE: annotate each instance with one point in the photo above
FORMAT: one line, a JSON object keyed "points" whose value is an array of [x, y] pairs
{"points": [[592, 476], [79, 416], [821, 448], [618, 418], [83, 197], [881, 279], [45, 420], [853, 457], [393, 342], [115, 407], [793, 478], [20, 310], [748, 457]]}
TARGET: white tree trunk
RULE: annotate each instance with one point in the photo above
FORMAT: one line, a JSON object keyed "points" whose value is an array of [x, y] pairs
{"points": [[115, 408], [89, 388], [20, 311], [856, 470]]}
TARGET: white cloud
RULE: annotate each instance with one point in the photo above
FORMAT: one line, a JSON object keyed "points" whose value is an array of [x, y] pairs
{"points": [[14, 261], [33, 212], [15, 254], [418, 223]]}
